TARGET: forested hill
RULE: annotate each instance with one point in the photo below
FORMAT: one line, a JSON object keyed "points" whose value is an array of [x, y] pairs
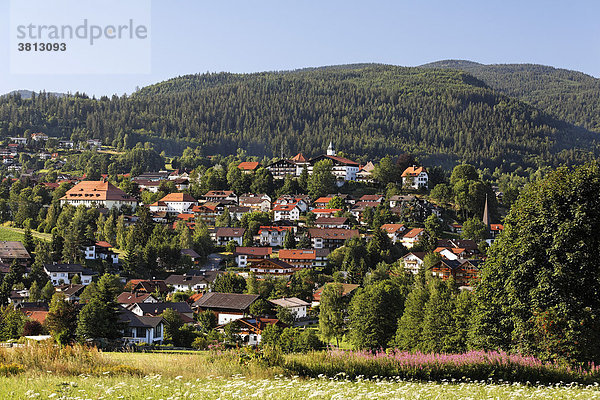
{"points": [[569, 95], [367, 110]]}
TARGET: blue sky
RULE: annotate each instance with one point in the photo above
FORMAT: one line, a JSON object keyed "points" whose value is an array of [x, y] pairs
{"points": [[190, 36]]}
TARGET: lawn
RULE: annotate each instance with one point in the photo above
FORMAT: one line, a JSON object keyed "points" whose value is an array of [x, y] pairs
{"points": [[239, 387], [9, 233], [208, 375]]}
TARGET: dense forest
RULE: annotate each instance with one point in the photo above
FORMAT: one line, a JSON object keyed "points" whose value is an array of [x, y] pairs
{"points": [[369, 111], [571, 96]]}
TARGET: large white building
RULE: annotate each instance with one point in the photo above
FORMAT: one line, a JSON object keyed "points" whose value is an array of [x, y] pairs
{"points": [[101, 194], [415, 178], [343, 168], [174, 203]]}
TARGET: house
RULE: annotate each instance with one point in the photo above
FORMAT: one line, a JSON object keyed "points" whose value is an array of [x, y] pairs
{"points": [[250, 328], [156, 309], [376, 198], [152, 176], [71, 292], [365, 173], [326, 212], [301, 201], [322, 202], [394, 231], [343, 168], [17, 297], [304, 258], [451, 253], [146, 184], [411, 237], [273, 235], [271, 267], [192, 282], [248, 167], [208, 212], [227, 306], [288, 212], [347, 290], [282, 168], [226, 235], [464, 272], [102, 194], [330, 237], [100, 250], [61, 274], [191, 253], [296, 306], [238, 212], [174, 203], [142, 328], [256, 203], [129, 298], [332, 222], [244, 255], [227, 196], [39, 137], [147, 286], [496, 229], [415, 178], [11, 251], [413, 262], [468, 247]]}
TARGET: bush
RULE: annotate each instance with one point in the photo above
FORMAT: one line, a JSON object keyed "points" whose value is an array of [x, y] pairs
{"points": [[10, 369]]}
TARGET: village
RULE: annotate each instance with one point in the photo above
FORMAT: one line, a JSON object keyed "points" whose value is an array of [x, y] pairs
{"points": [[288, 236]]}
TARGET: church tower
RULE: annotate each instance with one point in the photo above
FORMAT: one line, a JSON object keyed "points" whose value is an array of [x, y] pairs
{"points": [[330, 150]]}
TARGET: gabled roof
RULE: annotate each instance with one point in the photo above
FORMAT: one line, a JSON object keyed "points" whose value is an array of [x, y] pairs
{"points": [[230, 232], [326, 210], [189, 252], [178, 197], [297, 254], [347, 288], [190, 280], [331, 221], [271, 263], [253, 251], [414, 233], [97, 191], [413, 171], [372, 197], [323, 200], [288, 302], [275, 229], [332, 233], [13, 250], [69, 268], [159, 308], [133, 298], [336, 160], [299, 158], [249, 165], [285, 207], [392, 228], [418, 254], [226, 301], [137, 321]]}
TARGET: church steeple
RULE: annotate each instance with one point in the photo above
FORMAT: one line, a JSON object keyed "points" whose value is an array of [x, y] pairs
{"points": [[330, 150], [486, 213]]}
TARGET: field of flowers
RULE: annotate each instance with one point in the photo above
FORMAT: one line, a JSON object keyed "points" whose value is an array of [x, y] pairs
{"points": [[239, 387], [475, 365]]}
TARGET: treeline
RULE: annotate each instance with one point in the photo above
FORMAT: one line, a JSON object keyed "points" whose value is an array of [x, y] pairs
{"points": [[369, 111], [569, 95]]}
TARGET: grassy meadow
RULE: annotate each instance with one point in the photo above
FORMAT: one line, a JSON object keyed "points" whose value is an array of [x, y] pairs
{"points": [[47, 372]]}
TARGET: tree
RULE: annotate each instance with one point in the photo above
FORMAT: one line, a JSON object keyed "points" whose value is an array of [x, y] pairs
{"points": [[537, 289], [35, 293], [410, 325], [322, 180], [474, 229], [285, 315], [332, 310], [260, 308], [28, 240], [434, 225], [373, 313], [99, 319], [336, 202], [229, 283], [207, 320], [47, 292], [76, 280], [12, 322], [289, 242], [231, 246], [387, 172], [173, 324], [61, 319], [439, 326]]}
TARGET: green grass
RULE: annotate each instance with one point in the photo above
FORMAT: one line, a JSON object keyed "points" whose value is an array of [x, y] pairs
{"points": [[159, 387], [9, 233]]}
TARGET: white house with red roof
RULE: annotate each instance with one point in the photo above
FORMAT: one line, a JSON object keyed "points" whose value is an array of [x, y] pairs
{"points": [[98, 194], [249, 167], [394, 231], [286, 212], [174, 203], [411, 237], [415, 177], [273, 235], [343, 168]]}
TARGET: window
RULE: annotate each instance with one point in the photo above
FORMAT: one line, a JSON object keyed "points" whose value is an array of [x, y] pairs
{"points": [[140, 332]]}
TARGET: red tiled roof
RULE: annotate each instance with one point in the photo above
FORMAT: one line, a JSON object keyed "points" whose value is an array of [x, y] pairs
{"points": [[248, 165], [392, 228], [412, 171], [253, 251], [96, 190], [297, 254], [178, 197], [413, 233]]}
